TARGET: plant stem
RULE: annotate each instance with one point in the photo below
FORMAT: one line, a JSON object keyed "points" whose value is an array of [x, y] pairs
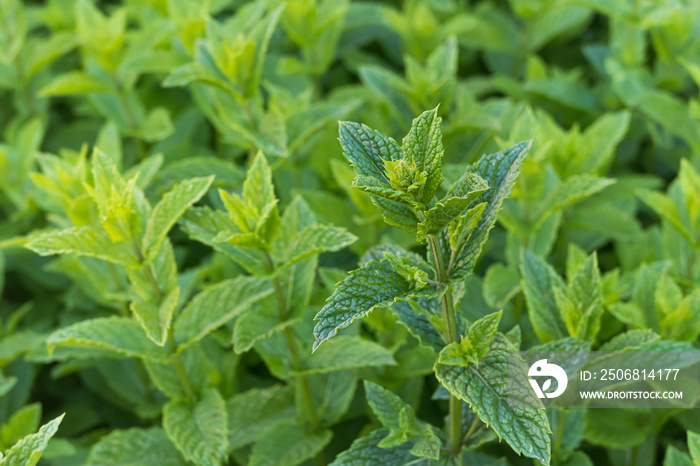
{"points": [[180, 366], [301, 380], [177, 358], [472, 429], [448, 317]]}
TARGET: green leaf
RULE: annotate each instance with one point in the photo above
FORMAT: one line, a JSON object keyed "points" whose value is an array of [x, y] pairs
{"points": [[630, 339], [346, 352], [157, 293], [568, 192], [27, 451], [253, 413], [441, 214], [675, 457], [499, 393], [195, 72], [199, 429], [666, 209], [418, 325], [204, 224], [501, 284], [539, 280], [288, 444], [694, 446], [482, 332], [122, 335], [365, 289], [499, 170], [170, 208], [367, 150], [73, 82], [365, 451], [408, 269], [256, 325], [586, 296], [23, 422], [403, 426], [89, 240], [315, 239], [422, 147], [135, 447], [215, 306]]}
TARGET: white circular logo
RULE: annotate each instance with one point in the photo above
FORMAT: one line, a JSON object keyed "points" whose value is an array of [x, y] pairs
{"points": [[542, 368]]}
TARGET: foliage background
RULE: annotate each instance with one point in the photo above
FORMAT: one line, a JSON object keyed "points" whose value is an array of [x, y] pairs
{"points": [[171, 89]]}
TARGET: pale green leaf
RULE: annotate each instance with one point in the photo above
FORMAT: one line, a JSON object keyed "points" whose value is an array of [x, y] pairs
{"points": [[73, 82], [23, 422], [27, 451], [288, 444], [694, 446], [89, 240], [199, 430], [216, 305], [121, 335], [346, 352], [482, 332], [195, 72], [675, 457], [568, 192], [253, 413], [315, 239], [501, 284], [256, 325], [258, 189], [539, 281], [135, 447], [170, 208], [666, 209]]}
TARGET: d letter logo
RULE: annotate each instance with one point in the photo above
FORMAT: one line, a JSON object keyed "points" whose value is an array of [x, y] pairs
{"points": [[542, 368]]}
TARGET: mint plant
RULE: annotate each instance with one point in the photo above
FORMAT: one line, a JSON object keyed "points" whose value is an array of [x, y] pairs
{"points": [[404, 181], [159, 275]]}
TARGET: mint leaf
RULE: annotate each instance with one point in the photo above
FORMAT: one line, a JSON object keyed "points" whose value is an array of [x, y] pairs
{"points": [[539, 280], [315, 239], [28, 451], [215, 306], [499, 170], [199, 429], [169, 210], [422, 147], [287, 444], [135, 446], [502, 397], [120, 335], [345, 352], [365, 451], [365, 289], [253, 413]]}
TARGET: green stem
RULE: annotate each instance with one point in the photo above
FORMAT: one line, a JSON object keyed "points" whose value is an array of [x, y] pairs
{"points": [[691, 263], [560, 420], [301, 380], [448, 317], [177, 358], [472, 429], [180, 366]]}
